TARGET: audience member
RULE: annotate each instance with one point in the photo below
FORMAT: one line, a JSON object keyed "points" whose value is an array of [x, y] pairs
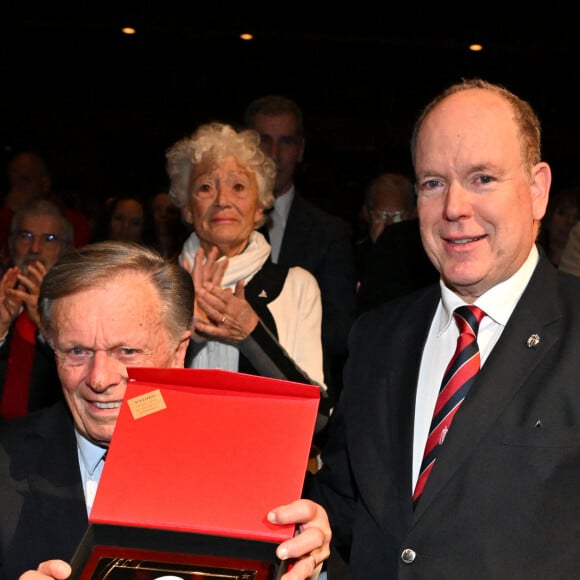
{"points": [[389, 199], [562, 214], [302, 234], [394, 264], [570, 259], [103, 308], [125, 218], [28, 179], [495, 495], [171, 231], [391, 260], [39, 235], [252, 315]]}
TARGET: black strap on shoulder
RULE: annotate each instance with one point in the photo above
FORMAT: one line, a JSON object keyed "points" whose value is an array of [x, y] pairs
{"points": [[262, 289], [265, 287]]}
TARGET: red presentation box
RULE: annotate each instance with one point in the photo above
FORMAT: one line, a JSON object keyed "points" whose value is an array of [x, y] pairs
{"points": [[197, 460]]}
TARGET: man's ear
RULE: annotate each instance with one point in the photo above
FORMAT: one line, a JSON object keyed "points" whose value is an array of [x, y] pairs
{"points": [[540, 189], [181, 350]]}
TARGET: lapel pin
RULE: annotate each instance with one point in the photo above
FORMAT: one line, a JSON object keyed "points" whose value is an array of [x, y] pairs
{"points": [[533, 341], [263, 294]]}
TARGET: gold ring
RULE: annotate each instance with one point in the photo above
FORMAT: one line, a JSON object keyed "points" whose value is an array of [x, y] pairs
{"points": [[223, 318], [315, 565]]}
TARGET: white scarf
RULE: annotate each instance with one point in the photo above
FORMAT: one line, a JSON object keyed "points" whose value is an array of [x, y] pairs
{"points": [[244, 266]]}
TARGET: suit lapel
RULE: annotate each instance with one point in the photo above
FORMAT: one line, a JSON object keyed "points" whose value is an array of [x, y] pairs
{"points": [[56, 482], [505, 372], [395, 383]]}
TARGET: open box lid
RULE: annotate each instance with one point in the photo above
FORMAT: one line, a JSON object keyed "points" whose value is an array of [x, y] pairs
{"points": [[207, 451]]}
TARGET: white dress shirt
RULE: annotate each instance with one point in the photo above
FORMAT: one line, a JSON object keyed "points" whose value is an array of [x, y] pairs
{"points": [[91, 462], [279, 217], [498, 304]]}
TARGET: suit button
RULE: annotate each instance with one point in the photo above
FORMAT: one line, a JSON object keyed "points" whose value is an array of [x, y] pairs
{"points": [[408, 556]]}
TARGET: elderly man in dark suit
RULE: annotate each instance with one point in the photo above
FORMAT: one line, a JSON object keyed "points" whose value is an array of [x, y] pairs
{"points": [[302, 234], [479, 479], [103, 308]]}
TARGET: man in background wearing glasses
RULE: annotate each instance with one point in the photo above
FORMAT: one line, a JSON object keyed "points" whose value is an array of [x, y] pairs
{"points": [[39, 235], [389, 199], [391, 260]]}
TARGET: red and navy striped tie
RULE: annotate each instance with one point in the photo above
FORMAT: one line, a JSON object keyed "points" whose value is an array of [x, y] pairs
{"points": [[457, 381]]}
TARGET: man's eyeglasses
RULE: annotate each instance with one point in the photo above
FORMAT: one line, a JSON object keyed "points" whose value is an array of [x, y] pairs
{"points": [[25, 237], [384, 216]]}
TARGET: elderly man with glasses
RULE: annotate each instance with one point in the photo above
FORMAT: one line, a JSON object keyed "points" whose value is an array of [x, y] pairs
{"points": [[39, 235], [391, 260]]}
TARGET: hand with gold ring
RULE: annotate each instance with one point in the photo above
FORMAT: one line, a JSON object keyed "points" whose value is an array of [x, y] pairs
{"points": [[219, 313], [311, 546], [314, 563]]}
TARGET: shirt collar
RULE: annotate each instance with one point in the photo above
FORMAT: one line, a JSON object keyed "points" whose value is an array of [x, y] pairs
{"points": [[283, 202], [498, 302], [90, 453]]}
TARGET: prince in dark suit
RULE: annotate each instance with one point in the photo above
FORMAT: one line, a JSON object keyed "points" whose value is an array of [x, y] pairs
{"points": [[501, 497]]}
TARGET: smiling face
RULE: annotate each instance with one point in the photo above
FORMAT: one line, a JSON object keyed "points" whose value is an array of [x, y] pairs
{"points": [[100, 332], [479, 211], [223, 206]]}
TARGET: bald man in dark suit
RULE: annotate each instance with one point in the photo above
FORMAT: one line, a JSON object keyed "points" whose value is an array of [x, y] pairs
{"points": [[495, 493]]}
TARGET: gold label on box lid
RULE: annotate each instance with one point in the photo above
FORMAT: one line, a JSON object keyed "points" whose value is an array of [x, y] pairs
{"points": [[146, 404]]}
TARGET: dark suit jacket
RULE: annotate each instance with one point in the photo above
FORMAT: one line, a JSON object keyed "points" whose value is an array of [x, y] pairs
{"points": [[396, 264], [321, 243], [503, 500], [42, 506]]}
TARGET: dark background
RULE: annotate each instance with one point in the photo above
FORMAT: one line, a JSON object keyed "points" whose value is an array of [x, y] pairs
{"points": [[104, 107]]}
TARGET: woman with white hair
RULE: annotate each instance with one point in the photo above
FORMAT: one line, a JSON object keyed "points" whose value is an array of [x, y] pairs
{"points": [[250, 315]]}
